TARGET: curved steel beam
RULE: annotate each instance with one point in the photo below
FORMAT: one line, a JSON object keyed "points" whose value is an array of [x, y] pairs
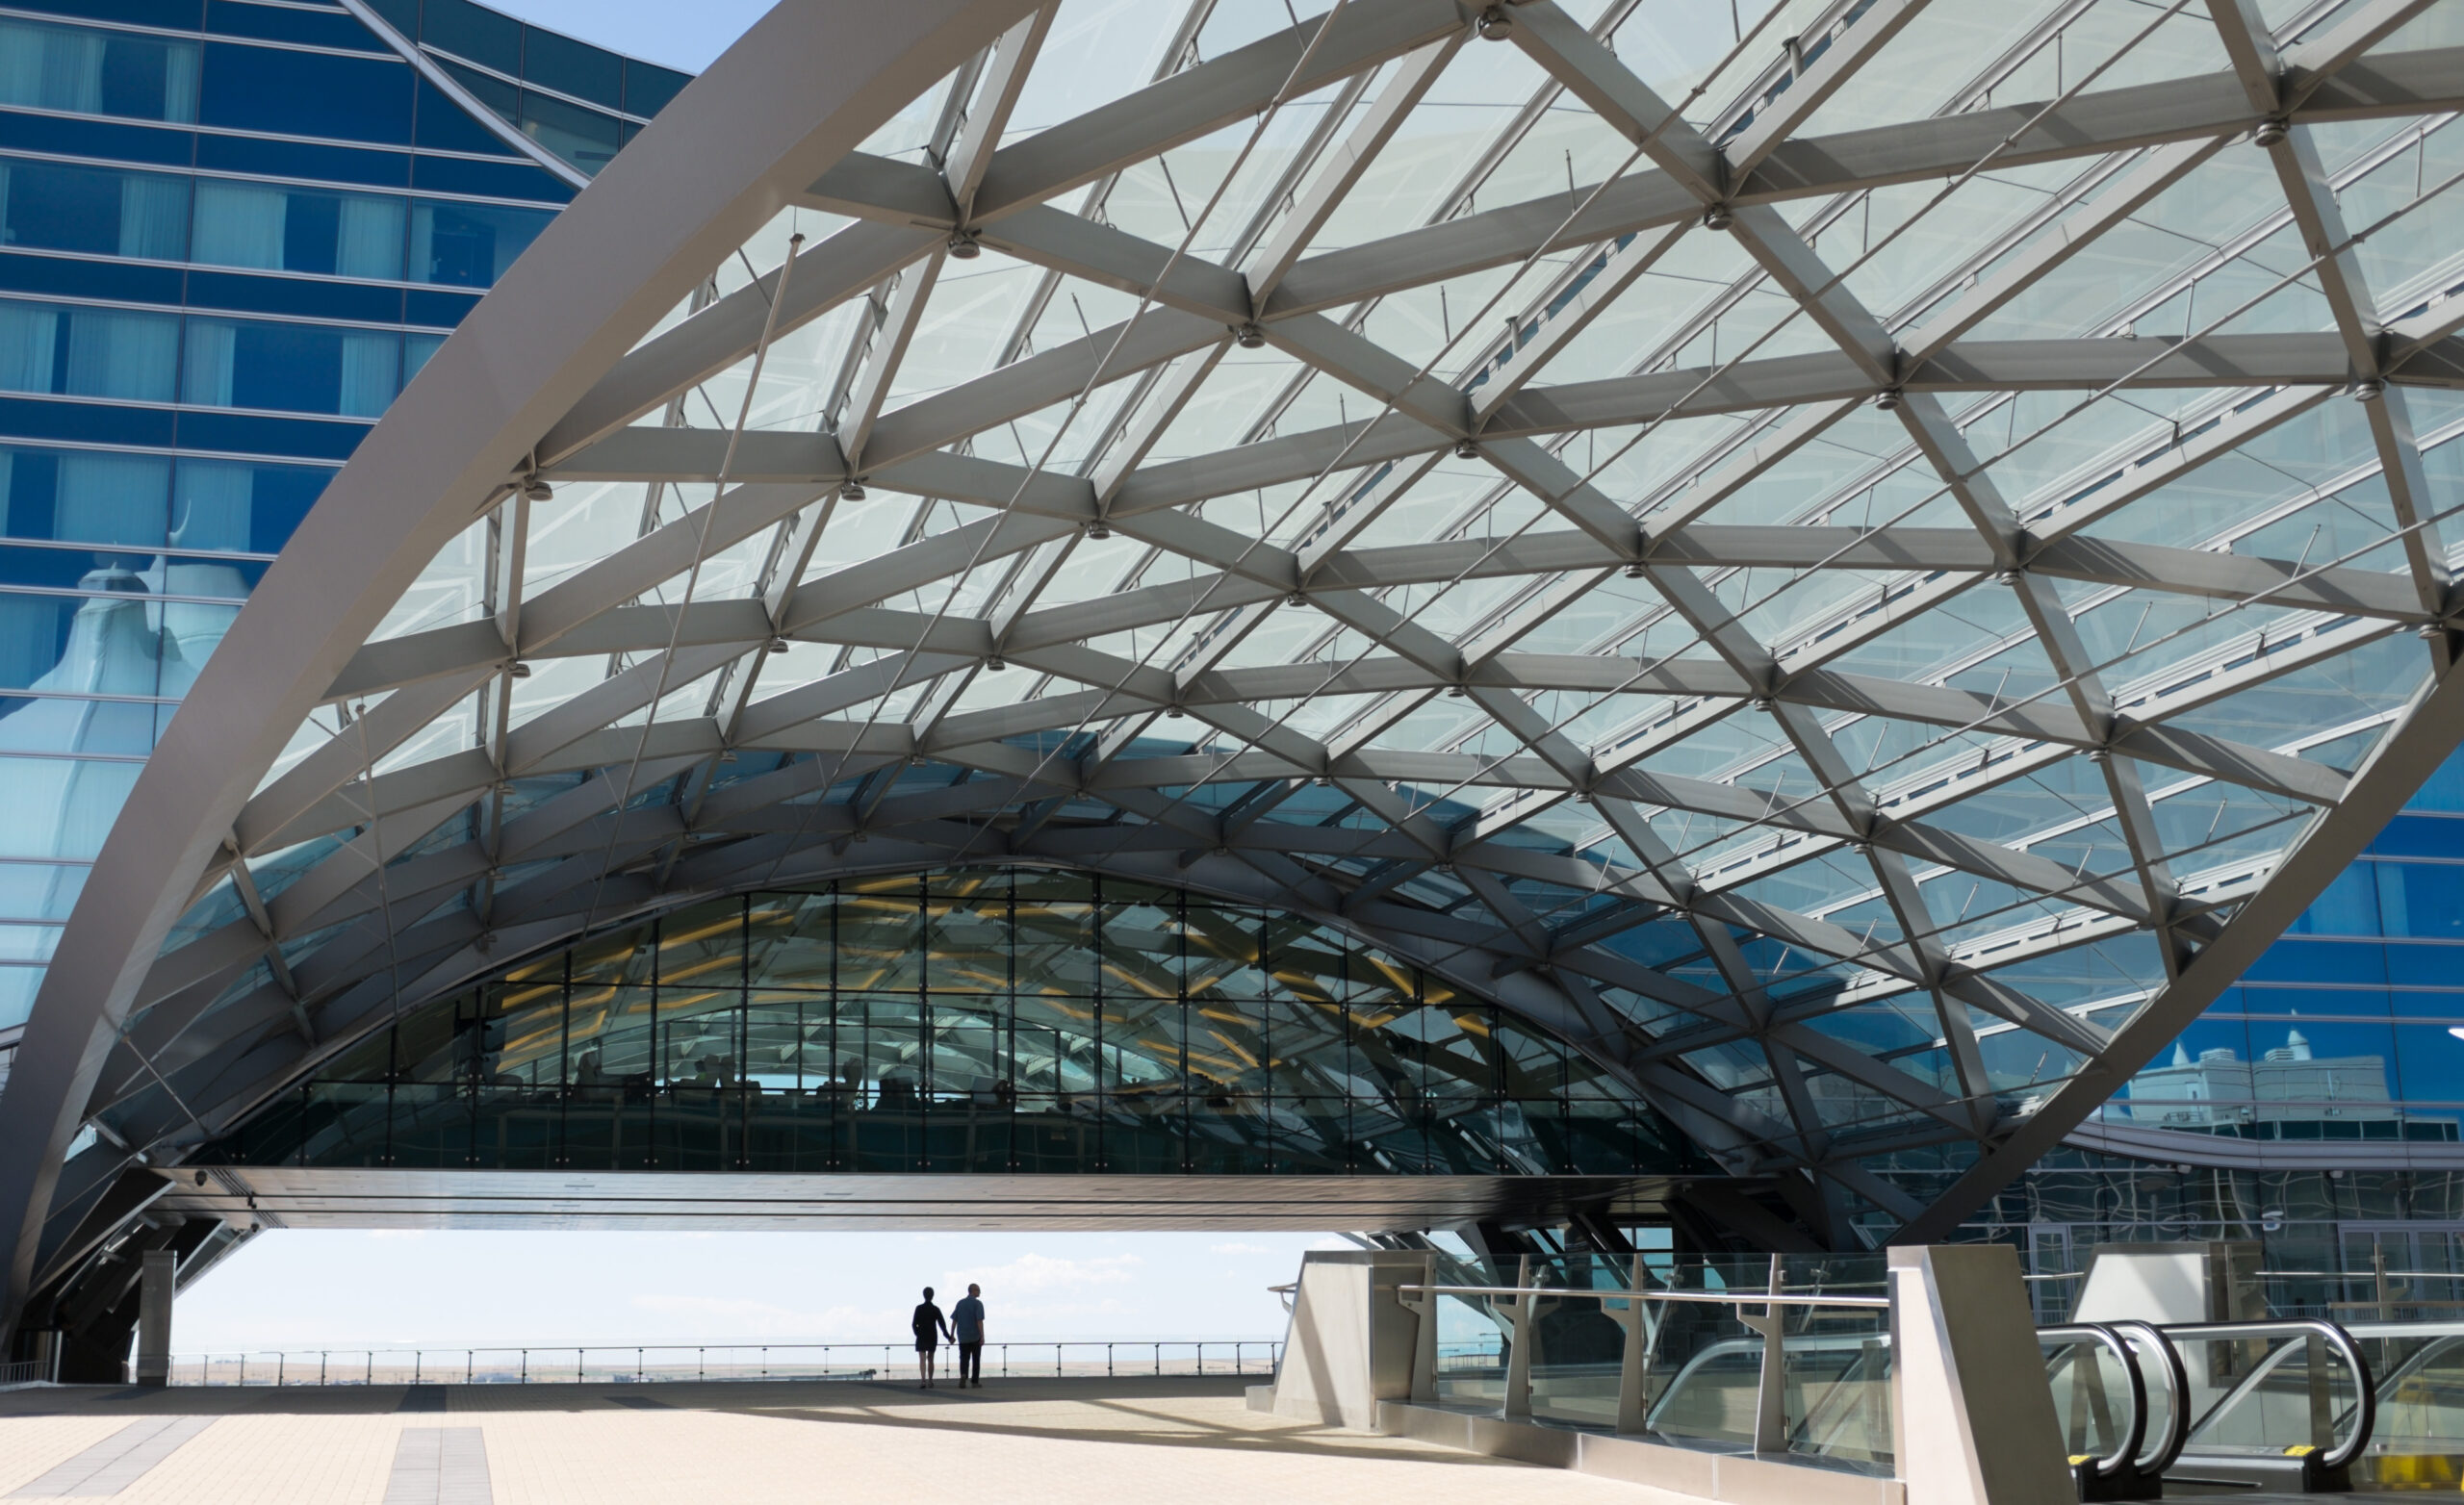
{"points": [[795, 95]]}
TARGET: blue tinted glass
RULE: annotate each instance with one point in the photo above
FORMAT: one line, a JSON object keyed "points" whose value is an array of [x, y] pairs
{"points": [[648, 88], [87, 645], [473, 32], [273, 228], [58, 807], [2421, 898], [242, 433], [181, 14], [76, 277], [2427, 1004], [573, 67], [2313, 1001], [445, 126], [84, 71], [2349, 908], [2295, 960], [97, 138], [2430, 1063], [2421, 836], [81, 570], [304, 160], [101, 728], [85, 498], [2443, 790], [315, 28], [242, 505], [441, 309], [307, 93], [491, 93], [88, 352], [39, 890], [85, 422], [291, 368], [492, 179], [97, 210], [469, 245], [585, 137], [2424, 965], [244, 293]]}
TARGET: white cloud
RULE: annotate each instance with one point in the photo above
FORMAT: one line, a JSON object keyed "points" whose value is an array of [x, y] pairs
{"points": [[1238, 1248]]}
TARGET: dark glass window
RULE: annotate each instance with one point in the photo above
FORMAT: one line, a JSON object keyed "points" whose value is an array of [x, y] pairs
{"points": [[2424, 900], [242, 504], [585, 137], [84, 71], [291, 368], [307, 93], [648, 88], [469, 245], [445, 126], [488, 90], [572, 67], [95, 211], [473, 32], [268, 227], [89, 352], [905, 1024], [84, 497]]}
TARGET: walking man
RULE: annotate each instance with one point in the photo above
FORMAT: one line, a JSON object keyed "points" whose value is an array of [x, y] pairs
{"points": [[966, 1321], [930, 1330]]}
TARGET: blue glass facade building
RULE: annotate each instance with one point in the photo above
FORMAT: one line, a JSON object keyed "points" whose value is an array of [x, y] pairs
{"points": [[230, 230]]}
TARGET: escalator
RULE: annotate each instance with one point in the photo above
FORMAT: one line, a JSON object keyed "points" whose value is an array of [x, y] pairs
{"points": [[2275, 1407]]}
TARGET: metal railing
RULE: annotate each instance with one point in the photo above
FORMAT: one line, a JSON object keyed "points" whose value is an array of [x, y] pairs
{"points": [[30, 1371], [647, 1364], [1637, 1407], [2315, 1335]]}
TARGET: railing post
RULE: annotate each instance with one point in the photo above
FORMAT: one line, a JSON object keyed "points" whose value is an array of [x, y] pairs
{"points": [[1518, 1359], [1770, 1400], [1108, 1361], [1633, 1368], [1425, 1336], [321, 1366], [417, 1356]]}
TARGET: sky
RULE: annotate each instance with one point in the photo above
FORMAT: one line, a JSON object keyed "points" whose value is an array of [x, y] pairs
{"points": [[681, 35], [310, 1289]]}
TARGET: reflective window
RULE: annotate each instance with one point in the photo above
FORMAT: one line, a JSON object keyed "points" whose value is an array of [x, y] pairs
{"points": [[291, 368], [307, 93], [273, 228], [96, 210], [97, 72], [469, 245], [89, 352], [969, 1020]]}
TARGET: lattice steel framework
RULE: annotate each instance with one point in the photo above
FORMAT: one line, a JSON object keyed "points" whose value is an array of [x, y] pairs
{"points": [[1857, 563]]}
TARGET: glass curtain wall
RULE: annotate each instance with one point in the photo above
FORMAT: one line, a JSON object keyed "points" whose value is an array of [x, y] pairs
{"points": [[974, 1020], [230, 233]]}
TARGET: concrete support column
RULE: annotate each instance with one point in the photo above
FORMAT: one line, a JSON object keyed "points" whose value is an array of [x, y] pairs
{"points": [[157, 1274], [1973, 1420]]}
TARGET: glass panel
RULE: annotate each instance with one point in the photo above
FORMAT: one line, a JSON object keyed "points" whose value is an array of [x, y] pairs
{"points": [[875, 1027]]}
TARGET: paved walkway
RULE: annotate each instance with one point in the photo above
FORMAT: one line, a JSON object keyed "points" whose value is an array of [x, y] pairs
{"points": [[1014, 1442]]}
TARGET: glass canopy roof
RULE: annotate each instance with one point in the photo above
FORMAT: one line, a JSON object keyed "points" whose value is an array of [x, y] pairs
{"points": [[1822, 551]]}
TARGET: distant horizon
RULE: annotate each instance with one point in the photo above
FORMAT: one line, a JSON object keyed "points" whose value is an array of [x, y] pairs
{"points": [[348, 1291]]}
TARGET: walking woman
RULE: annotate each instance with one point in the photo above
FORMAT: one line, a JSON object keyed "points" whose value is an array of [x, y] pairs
{"points": [[930, 1329]]}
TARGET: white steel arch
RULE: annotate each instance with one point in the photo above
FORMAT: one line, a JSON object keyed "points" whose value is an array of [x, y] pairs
{"points": [[1860, 584]]}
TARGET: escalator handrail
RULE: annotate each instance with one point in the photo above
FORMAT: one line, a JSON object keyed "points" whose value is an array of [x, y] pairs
{"points": [[2177, 1386], [2365, 1410], [2126, 1447]]}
